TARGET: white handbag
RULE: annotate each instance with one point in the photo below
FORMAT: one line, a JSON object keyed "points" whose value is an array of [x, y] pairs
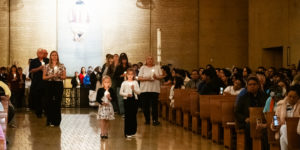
{"points": [[92, 98]]}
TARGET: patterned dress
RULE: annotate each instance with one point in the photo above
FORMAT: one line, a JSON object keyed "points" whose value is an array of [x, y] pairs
{"points": [[106, 112]]}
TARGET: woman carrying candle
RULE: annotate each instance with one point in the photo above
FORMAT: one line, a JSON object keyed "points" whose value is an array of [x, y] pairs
{"points": [[119, 77], [13, 83], [54, 73], [150, 76]]}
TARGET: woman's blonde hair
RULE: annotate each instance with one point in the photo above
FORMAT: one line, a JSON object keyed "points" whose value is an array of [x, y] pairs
{"points": [[106, 78], [50, 60]]}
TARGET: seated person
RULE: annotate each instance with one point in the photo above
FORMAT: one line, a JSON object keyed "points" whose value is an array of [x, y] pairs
{"points": [[254, 97], [211, 83], [288, 107], [236, 88], [195, 81], [275, 96], [178, 84]]}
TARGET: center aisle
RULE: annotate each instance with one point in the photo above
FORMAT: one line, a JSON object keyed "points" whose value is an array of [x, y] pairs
{"points": [[79, 131]]}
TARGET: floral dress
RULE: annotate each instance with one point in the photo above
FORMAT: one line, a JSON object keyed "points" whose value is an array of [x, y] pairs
{"points": [[106, 112]]}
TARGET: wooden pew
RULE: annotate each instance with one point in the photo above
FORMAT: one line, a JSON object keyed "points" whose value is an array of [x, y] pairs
{"points": [[179, 98], [216, 114], [254, 114], [164, 101], [228, 121], [293, 137], [240, 139], [195, 111], [274, 144], [186, 109], [204, 105]]}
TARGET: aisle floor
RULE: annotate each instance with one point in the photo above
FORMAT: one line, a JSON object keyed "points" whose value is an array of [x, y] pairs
{"points": [[79, 130]]}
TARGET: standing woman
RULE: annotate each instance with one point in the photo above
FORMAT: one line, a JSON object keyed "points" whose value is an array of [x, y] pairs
{"points": [[13, 83], [119, 77], [150, 76], [82, 75], [54, 73]]}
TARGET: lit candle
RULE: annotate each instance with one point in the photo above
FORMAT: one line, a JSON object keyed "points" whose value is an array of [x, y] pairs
{"points": [[152, 73], [15, 75], [55, 69], [43, 63]]}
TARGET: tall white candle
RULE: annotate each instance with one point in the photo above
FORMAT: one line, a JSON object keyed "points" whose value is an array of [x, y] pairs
{"points": [[158, 38], [158, 45]]}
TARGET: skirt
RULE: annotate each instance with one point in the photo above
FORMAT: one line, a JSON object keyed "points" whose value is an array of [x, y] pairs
{"points": [[106, 112]]}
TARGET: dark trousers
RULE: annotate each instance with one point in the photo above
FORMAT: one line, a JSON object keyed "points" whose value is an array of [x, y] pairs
{"points": [[130, 123], [150, 99], [53, 105], [37, 93]]}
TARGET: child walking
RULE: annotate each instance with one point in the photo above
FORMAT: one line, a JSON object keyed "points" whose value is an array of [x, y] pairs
{"points": [[129, 90], [105, 112]]}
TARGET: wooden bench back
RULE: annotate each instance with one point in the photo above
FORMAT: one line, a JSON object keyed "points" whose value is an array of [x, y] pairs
{"points": [[194, 102], [216, 106], [292, 136], [255, 113], [271, 134], [179, 96], [164, 94], [204, 105], [227, 109]]}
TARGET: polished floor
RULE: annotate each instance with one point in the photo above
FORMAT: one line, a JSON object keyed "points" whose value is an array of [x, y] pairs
{"points": [[79, 131]]}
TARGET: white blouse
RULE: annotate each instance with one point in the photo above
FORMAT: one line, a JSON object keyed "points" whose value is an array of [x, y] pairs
{"points": [[148, 72], [126, 89]]}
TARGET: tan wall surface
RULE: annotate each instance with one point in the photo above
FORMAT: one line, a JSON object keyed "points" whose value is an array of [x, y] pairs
{"points": [[33, 25], [223, 32], [294, 32], [178, 20], [273, 23], [127, 29], [4, 32]]}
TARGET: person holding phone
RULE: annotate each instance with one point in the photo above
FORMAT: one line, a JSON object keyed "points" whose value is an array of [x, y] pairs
{"points": [[288, 107]]}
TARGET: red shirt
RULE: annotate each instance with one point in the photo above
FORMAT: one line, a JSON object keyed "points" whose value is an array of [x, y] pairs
{"points": [[81, 76]]}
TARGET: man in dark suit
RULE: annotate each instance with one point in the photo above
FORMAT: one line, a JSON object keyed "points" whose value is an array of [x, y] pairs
{"points": [[37, 88]]}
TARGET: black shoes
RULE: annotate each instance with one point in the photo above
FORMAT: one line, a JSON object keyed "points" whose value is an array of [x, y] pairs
{"points": [[104, 137], [156, 123]]}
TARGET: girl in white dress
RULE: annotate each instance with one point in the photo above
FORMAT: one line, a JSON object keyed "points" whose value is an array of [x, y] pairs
{"points": [[105, 111]]}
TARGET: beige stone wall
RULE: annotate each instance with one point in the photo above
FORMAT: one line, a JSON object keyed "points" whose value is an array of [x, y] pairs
{"points": [[194, 32], [4, 32], [223, 32], [274, 23], [294, 31], [127, 29], [178, 20], [33, 25]]}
